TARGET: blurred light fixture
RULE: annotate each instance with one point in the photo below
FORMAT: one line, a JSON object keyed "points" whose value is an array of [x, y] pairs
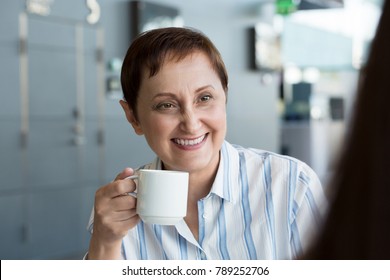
{"points": [[94, 14], [292, 74], [316, 113], [311, 75], [320, 4], [286, 7]]}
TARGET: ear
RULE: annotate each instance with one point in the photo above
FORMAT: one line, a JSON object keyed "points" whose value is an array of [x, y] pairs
{"points": [[131, 117]]}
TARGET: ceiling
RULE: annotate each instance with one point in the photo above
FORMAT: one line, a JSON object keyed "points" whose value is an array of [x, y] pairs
{"points": [[357, 18], [356, 14]]}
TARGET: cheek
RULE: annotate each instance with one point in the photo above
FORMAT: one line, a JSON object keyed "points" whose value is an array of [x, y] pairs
{"points": [[218, 117], [160, 125]]}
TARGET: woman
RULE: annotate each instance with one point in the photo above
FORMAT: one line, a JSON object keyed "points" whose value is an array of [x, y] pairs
{"points": [[243, 203]]}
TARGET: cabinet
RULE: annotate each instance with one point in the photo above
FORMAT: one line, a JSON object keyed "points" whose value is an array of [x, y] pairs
{"points": [[49, 173]]}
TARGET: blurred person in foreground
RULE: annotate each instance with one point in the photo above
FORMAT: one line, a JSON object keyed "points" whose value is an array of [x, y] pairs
{"points": [[242, 203], [358, 224]]}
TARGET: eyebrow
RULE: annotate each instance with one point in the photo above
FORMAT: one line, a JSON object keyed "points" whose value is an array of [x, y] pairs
{"points": [[204, 87], [170, 94], [163, 94]]}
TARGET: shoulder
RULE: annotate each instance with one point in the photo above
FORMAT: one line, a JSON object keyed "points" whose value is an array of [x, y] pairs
{"points": [[285, 178], [274, 158], [276, 165]]}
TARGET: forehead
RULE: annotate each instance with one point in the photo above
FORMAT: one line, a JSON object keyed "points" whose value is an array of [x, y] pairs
{"points": [[173, 57], [194, 61], [178, 76]]}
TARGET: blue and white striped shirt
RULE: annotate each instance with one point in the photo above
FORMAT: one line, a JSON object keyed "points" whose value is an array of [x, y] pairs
{"points": [[261, 206]]}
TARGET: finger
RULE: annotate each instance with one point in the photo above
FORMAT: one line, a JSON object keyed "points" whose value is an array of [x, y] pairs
{"points": [[124, 202], [125, 215], [128, 222], [124, 174], [115, 189]]}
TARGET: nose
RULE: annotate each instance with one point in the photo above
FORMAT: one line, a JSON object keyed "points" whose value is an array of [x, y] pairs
{"points": [[190, 120]]}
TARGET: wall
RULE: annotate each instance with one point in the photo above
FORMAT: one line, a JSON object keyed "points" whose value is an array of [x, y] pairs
{"points": [[47, 178]]}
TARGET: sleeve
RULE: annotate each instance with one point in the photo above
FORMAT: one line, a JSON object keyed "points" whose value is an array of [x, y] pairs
{"points": [[309, 210], [90, 229], [90, 222]]}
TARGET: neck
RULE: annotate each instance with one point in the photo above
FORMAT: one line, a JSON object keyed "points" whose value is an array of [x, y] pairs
{"points": [[199, 187], [200, 183]]}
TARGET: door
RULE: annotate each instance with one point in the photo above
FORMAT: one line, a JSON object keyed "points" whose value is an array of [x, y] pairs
{"points": [[61, 159]]}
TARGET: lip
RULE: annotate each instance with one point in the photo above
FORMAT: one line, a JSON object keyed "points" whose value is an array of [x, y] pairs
{"points": [[190, 143]]}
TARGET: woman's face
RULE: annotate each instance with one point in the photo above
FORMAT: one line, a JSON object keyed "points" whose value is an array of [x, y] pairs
{"points": [[182, 113]]}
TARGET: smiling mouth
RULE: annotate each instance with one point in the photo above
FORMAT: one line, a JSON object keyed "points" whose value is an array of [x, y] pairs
{"points": [[189, 142]]}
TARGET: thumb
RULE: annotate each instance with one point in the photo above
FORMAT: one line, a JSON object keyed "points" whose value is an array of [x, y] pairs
{"points": [[128, 171]]}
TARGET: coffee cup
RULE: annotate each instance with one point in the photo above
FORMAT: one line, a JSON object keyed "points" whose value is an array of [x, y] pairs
{"points": [[161, 195]]}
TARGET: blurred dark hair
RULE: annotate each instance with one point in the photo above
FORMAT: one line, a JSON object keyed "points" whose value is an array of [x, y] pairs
{"points": [[358, 224], [151, 49]]}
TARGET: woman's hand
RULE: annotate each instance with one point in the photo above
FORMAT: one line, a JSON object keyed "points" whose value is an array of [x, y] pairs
{"points": [[115, 214]]}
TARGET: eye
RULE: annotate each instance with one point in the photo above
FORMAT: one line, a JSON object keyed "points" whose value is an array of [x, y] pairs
{"points": [[205, 98], [164, 106]]}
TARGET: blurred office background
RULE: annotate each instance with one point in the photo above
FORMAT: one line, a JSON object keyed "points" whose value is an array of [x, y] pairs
{"points": [[293, 67]]}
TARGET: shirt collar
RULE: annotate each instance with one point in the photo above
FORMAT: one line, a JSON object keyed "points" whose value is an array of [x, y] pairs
{"points": [[227, 175]]}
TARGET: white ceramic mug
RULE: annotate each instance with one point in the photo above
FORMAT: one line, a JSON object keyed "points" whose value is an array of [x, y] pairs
{"points": [[161, 195]]}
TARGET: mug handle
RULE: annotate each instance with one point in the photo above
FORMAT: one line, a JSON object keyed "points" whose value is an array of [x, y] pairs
{"points": [[133, 194]]}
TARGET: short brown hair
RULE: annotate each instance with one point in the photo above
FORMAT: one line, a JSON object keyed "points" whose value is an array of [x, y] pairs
{"points": [[150, 50]]}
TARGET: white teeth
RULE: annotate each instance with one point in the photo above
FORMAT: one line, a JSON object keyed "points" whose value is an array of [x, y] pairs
{"points": [[192, 142]]}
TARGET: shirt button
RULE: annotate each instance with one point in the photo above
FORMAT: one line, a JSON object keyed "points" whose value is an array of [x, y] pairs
{"points": [[204, 216]]}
